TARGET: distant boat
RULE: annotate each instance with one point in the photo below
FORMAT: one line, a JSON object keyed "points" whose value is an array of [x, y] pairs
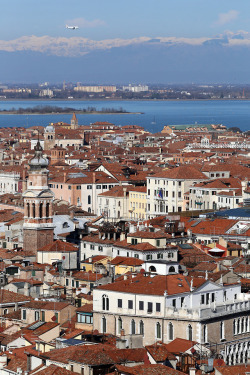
{"points": [[153, 122]]}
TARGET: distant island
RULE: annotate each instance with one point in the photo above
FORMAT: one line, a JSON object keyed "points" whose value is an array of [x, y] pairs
{"points": [[46, 109]]}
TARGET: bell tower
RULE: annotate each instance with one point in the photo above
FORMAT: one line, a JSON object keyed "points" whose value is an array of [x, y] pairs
{"points": [[74, 122], [38, 228]]}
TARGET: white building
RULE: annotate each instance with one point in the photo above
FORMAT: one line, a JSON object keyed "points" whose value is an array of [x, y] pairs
{"points": [[166, 307], [165, 190]]}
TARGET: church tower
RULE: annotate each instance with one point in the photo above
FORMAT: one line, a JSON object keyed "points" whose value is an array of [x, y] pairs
{"points": [[74, 122], [38, 228]]}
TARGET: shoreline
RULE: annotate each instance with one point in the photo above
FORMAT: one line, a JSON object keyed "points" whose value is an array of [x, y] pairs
{"points": [[68, 113], [121, 100]]}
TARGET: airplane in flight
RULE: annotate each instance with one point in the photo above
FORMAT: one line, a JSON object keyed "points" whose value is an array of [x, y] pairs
{"points": [[72, 27]]}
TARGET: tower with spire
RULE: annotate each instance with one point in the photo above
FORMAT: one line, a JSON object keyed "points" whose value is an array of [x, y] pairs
{"points": [[38, 228], [74, 122]]}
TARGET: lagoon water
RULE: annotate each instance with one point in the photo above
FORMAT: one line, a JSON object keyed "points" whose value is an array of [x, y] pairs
{"points": [[155, 115]]}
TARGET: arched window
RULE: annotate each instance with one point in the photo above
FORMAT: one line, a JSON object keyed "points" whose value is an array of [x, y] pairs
{"points": [[28, 209], [119, 325], [238, 326], [190, 333], [40, 210], [205, 333], [246, 324], [33, 210], [242, 325], [152, 269], [89, 210], [47, 210], [132, 328], [104, 325], [222, 331], [171, 269], [235, 327], [170, 331], [158, 330], [89, 199], [141, 328], [105, 302]]}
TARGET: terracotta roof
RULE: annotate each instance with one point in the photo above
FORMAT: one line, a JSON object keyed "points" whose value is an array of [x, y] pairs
{"points": [[126, 261], [184, 172], [44, 305], [179, 345], [55, 370], [148, 370], [157, 285], [59, 246], [160, 352], [10, 297], [233, 370]]}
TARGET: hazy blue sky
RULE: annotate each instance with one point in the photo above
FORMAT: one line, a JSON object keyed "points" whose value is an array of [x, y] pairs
{"points": [[100, 19], [133, 32]]}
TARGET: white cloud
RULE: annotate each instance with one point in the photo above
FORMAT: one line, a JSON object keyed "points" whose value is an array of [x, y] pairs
{"points": [[82, 22], [227, 17]]}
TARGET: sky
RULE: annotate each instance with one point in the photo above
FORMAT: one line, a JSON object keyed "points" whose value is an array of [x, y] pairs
{"points": [[38, 27]]}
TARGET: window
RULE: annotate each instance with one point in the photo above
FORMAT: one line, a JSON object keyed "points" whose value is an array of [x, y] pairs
{"points": [[119, 326], [205, 334], [67, 282], [159, 256], [207, 298], [104, 325], [150, 307], [141, 305], [130, 304], [77, 284], [92, 247], [89, 199], [222, 331], [132, 327], [69, 187], [174, 302], [37, 315], [224, 296], [78, 187], [73, 283], [89, 187], [158, 330], [141, 328], [24, 315], [182, 301], [98, 186], [202, 299], [43, 316], [170, 331], [190, 333], [100, 248], [158, 307], [212, 297], [105, 302], [157, 243], [119, 302]]}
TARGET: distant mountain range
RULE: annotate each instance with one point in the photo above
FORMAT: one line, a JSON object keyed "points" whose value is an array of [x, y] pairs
{"points": [[165, 60]]}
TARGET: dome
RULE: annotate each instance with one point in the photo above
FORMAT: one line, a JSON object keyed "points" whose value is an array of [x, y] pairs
{"points": [[38, 160]]}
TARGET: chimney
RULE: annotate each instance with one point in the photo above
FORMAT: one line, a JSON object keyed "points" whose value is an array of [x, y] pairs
{"points": [[94, 178], [64, 176], [124, 191], [192, 371]]}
